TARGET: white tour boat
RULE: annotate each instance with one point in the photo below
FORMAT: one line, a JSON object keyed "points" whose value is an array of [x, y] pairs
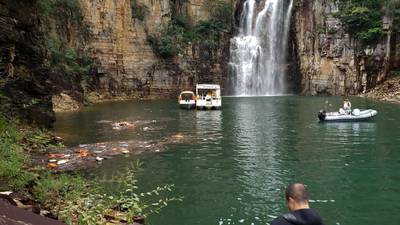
{"points": [[208, 96]]}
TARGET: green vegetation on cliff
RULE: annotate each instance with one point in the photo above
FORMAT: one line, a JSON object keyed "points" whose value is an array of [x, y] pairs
{"points": [[64, 56], [52, 7], [139, 10], [174, 38], [363, 19], [66, 60]]}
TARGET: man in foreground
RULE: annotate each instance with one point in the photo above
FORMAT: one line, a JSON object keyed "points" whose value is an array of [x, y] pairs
{"points": [[300, 212]]}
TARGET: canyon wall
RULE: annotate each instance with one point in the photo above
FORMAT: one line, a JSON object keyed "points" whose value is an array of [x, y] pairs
{"points": [[43, 44], [127, 64], [325, 53]]}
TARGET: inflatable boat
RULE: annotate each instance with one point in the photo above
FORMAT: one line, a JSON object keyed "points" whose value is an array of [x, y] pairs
{"points": [[342, 116]]}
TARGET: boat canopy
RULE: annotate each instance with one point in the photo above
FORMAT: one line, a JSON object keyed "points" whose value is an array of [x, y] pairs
{"points": [[187, 92], [208, 86]]}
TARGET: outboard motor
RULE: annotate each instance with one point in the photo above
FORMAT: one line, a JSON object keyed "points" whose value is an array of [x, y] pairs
{"points": [[322, 115]]}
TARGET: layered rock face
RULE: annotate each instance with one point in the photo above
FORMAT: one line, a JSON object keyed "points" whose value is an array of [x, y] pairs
{"points": [[325, 53], [127, 64], [118, 42]]}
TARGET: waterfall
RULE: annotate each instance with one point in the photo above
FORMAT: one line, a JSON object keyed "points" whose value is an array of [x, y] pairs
{"points": [[258, 53]]}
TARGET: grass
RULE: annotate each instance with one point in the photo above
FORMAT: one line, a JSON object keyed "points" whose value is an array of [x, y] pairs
{"points": [[13, 161]]}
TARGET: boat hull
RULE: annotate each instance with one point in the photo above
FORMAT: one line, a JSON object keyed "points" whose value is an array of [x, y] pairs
{"points": [[187, 106], [364, 115], [208, 107]]}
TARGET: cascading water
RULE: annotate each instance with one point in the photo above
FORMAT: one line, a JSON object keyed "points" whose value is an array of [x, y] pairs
{"points": [[258, 53]]}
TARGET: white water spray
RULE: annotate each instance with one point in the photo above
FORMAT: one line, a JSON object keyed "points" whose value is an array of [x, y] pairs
{"points": [[258, 53]]}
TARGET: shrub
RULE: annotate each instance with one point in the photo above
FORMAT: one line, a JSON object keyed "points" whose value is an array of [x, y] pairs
{"points": [[179, 34], [139, 11], [79, 201], [362, 20], [171, 40], [65, 60], [12, 159], [52, 7]]}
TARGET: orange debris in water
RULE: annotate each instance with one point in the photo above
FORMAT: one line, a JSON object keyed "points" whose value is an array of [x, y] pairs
{"points": [[53, 156], [83, 152], [51, 165]]}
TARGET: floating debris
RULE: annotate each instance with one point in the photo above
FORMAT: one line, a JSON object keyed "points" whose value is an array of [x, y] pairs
{"points": [[104, 121], [178, 136], [89, 155], [62, 161], [51, 165], [125, 151], [122, 125], [83, 152], [124, 144], [99, 159], [56, 155]]}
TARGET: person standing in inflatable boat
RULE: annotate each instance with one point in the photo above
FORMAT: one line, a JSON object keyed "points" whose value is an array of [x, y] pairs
{"points": [[347, 106]]}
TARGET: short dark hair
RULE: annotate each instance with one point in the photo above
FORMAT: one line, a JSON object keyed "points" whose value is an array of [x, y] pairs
{"points": [[298, 192]]}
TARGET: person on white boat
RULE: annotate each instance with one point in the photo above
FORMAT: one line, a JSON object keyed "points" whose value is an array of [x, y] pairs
{"points": [[347, 106], [209, 95]]}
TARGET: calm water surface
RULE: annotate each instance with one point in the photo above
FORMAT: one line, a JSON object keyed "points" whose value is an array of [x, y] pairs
{"points": [[237, 162]]}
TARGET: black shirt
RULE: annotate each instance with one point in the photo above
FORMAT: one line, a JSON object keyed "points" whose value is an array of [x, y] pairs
{"points": [[300, 217]]}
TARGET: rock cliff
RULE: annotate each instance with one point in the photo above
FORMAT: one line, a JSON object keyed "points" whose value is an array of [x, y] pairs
{"points": [[44, 45], [128, 66], [326, 54]]}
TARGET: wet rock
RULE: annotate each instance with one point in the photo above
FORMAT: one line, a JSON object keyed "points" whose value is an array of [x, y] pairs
{"points": [[139, 219], [8, 198], [63, 103]]}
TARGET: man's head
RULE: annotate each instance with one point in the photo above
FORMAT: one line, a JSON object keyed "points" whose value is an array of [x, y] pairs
{"points": [[297, 196]]}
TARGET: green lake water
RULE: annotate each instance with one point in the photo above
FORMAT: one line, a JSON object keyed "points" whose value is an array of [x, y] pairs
{"points": [[235, 163]]}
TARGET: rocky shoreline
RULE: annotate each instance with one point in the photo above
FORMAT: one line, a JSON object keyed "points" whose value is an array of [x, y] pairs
{"points": [[388, 91]]}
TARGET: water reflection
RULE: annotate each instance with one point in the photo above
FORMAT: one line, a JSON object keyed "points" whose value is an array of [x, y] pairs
{"points": [[355, 127], [348, 133], [257, 131], [208, 126]]}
